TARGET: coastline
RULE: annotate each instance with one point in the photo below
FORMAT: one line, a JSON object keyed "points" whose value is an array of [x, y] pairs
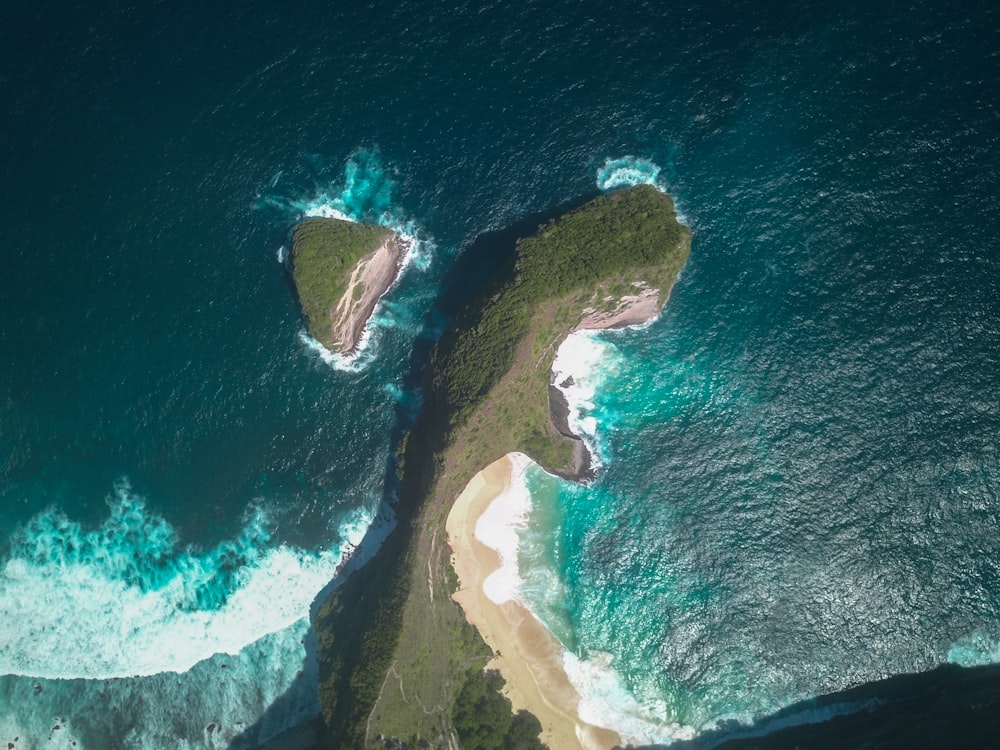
{"points": [[637, 309], [487, 394], [364, 260], [526, 653], [388, 268], [632, 312]]}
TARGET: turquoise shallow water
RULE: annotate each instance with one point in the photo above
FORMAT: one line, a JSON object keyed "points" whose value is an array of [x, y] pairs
{"points": [[788, 504], [799, 486]]}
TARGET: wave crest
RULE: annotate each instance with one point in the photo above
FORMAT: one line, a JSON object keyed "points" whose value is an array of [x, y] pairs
{"points": [[126, 599], [627, 171]]}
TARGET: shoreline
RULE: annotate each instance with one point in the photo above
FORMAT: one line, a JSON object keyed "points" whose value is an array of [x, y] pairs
{"points": [[632, 312], [354, 359], [487, 396], [375, 274], [526, 653]]}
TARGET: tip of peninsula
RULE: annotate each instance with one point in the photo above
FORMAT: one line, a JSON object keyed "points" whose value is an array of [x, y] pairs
{"points": [[341, 269], [610, 263]]}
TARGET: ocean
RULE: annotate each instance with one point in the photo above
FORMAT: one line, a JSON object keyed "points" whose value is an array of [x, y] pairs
{"points": [[798, 488]]}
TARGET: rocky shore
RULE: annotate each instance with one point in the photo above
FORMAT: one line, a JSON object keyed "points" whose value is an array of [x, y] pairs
{"points": [[341, 270], [637, 309], [370, 279]]}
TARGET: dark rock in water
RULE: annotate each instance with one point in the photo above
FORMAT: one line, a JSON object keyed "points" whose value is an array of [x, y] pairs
{"points": [[559, 410], [582, 469]]}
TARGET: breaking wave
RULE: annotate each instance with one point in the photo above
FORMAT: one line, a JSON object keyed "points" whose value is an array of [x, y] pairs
{"points": [[127, 598], [628, 171]]}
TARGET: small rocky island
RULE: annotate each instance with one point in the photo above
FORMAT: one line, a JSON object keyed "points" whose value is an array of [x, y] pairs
{"points": [[341, 269]]}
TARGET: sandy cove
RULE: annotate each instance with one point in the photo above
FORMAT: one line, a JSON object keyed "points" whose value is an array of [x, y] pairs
{"points": [[527, 655]]}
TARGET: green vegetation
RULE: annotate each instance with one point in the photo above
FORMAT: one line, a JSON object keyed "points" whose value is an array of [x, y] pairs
{"points": [[580, 260], [612, 235], [397, 657], [484, 719], [324, 252], [357, 630]]}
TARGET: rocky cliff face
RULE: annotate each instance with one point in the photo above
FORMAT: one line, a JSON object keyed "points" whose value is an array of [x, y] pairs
{"points": [[370, 278]]}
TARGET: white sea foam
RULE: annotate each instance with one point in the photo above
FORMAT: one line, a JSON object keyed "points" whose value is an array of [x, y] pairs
{"points": [[747, 728], [974, 650], [227, 702], [125, 600], [356, 362], [362, 541], [582, 365], [605, 701], [679, 210], [324, 210], [629, 171], [498, 527]]}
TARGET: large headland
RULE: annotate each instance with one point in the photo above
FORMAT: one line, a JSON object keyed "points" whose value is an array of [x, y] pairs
{"points": [[398, 656]]}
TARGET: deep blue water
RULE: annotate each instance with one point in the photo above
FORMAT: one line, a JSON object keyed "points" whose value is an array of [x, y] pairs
{"points": [[807, 436]]}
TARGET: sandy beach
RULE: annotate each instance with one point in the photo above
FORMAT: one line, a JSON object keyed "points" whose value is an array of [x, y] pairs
{"points": [[527, 655]]}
